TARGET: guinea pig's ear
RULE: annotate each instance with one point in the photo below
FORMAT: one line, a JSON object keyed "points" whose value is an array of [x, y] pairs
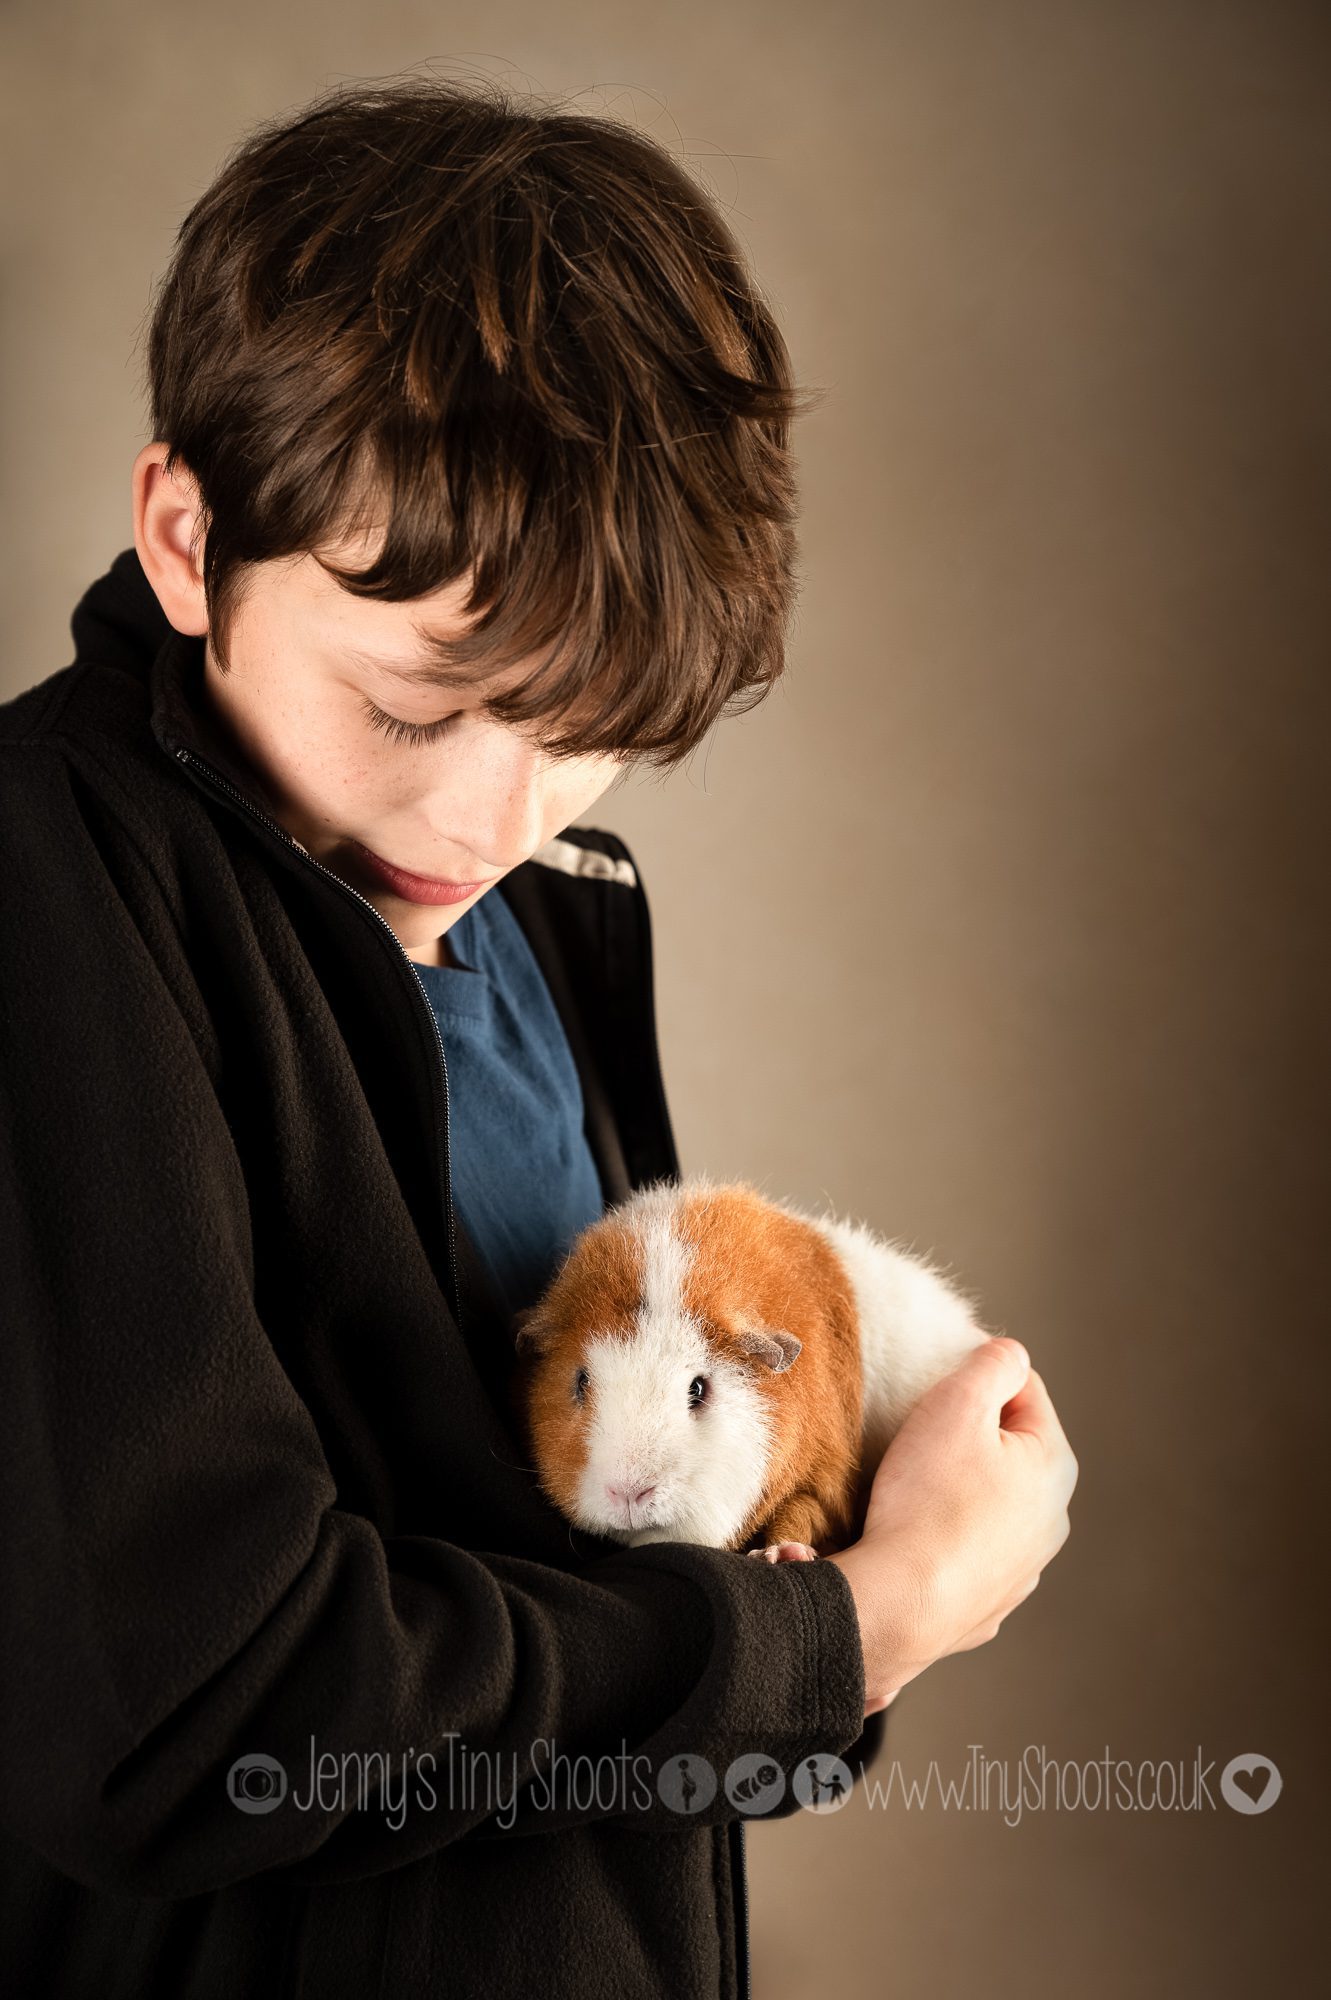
{"points": [[764, 1343], [526, 1331]]}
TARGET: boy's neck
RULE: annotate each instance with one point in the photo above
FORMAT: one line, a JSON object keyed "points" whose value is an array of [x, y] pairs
{"points": [[437, 952]]}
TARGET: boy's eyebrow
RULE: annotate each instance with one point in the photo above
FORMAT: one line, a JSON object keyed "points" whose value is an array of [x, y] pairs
{"points": [[429, 673]]}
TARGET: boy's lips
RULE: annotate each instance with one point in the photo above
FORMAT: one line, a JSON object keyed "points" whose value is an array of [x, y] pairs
{"points": [[418, 888]]}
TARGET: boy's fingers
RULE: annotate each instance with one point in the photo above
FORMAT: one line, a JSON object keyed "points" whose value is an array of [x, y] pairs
{"points": [[986, 1379], [1031, 1413], [1030, 1409], [993, 1372]]}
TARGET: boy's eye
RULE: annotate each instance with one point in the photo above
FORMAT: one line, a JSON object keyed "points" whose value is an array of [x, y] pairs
{"points": [[408, 732]]}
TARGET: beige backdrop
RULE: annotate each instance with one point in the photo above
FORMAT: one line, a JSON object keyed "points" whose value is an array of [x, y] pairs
{"points": [[996, 924]]}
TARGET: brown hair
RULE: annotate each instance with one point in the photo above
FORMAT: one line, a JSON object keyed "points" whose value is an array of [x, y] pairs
{"points": [[527, 341]]}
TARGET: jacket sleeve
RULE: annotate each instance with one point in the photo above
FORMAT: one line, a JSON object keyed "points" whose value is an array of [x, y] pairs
{"points": [[181, 1592]]}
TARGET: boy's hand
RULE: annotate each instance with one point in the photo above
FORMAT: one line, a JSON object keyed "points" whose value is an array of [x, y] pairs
{"points": [[968, 1505]]}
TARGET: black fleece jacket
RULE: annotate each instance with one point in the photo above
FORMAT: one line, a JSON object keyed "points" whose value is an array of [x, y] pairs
{"points": [[264, 1496]]}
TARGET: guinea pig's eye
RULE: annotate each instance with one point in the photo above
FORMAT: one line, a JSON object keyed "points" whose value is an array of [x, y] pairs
{"points": [[697, 1391], [580, 1381]]}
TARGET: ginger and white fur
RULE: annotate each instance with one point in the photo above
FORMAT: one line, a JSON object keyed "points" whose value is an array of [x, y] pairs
{"points": [[813, 1338]]}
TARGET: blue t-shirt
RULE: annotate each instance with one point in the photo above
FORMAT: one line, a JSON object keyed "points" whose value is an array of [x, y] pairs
{"points": [[524, 1179]]}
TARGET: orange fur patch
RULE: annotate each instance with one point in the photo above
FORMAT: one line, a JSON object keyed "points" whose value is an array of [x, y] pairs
{"points": [[599, 1286], [754, 1266], [757, 1265]]}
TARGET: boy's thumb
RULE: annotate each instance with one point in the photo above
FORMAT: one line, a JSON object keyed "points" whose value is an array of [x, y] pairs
{"points": [[975, 1389], [996, 1367]]}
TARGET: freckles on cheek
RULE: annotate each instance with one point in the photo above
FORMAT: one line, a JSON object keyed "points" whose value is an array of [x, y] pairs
{"points": [[328, 776], [341, 762], [353, 777]]}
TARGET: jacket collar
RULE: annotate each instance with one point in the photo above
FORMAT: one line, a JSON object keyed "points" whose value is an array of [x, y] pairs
{"points": [[119, 622], [181, 718]]}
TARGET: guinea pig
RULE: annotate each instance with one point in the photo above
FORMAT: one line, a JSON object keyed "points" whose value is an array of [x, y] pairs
{"points": [[711, 1365]]}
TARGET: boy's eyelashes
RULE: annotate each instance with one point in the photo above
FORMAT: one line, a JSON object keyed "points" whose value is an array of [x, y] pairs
{"points": [[408, 732], [433, 732]]}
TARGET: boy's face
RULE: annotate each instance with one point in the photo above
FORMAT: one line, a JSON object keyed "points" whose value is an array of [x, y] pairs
{"points": [[317, 677]]}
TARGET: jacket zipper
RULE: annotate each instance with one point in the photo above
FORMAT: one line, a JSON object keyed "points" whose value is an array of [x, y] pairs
{"points": [[742, 1907], [215, 778], [224, 785]]}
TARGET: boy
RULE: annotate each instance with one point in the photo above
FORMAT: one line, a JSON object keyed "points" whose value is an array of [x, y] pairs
{"points": [[325, 1030]]}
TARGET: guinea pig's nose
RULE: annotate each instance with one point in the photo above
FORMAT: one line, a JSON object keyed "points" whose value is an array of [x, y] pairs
{"points": [[627, 1495]]}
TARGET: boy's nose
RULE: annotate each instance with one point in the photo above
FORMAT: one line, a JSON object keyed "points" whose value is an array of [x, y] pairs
{"points": [[494, 805]]}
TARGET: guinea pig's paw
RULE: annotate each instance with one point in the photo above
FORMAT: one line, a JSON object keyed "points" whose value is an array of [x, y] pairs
{"points": [[786, 1552]]}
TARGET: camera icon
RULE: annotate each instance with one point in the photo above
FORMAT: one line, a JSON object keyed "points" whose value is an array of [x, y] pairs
{"points": [[256, 1784]]}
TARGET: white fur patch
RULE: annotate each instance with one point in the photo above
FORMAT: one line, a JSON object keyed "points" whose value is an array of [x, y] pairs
{"points": [[708, 1464], [915, 1325]]}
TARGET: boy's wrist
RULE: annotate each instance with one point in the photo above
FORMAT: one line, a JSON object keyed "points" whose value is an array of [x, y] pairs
{"points": [[885, 1593]]}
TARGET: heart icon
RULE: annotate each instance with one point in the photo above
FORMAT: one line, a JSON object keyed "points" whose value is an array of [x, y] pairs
{"points": [[1250, 1783]]}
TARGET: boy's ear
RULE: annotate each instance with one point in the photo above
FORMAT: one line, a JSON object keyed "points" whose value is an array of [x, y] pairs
{"points": [[167, 510]]}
